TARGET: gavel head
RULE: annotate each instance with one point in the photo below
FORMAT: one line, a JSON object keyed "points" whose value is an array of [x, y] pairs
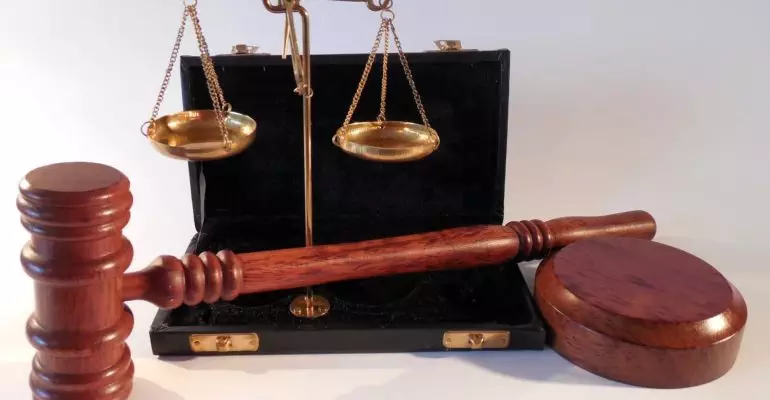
{"points": [[75, 213]]}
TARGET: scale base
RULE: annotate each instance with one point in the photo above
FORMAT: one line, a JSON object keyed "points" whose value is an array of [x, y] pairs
{"points": [[309, 307]]}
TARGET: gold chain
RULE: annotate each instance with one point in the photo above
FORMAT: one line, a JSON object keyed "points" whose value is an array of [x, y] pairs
{"points": [[367, 70], [409, 77], [221, 107], [215, 91], [386, 26], [384, 95], [169, 69]]}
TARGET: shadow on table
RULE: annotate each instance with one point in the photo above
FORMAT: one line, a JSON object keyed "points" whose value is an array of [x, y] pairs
{"points": [[528, 270], [410, 381], [144, 389], [533, 366], [536, 366], [18, 373], [526, 367]]}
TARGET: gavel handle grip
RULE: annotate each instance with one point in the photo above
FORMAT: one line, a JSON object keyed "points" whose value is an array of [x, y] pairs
{"points": [[170, 282], [301, 267], [442, 250]]}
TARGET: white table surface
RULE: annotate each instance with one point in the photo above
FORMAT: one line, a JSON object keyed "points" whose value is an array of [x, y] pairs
{"points": [[653, 104]]}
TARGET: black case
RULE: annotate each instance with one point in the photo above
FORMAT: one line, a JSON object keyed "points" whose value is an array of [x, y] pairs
{"points": [[254, 201]]}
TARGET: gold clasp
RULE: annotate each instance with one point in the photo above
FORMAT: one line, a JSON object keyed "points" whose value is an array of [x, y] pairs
{"points": [[291, 41], [224, 343], [387, 14], [477, 340], [449, 45], [241, 49], [378, 5], [145, 128]]}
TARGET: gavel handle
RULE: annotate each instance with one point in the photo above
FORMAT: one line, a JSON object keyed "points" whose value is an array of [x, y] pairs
{"points": [[77, 256], [170, 282]]}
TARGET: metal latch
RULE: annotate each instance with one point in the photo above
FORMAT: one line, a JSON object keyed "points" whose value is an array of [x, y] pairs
{"points": [[448, 45], [224, 343], [477, 340], [244, 49]]}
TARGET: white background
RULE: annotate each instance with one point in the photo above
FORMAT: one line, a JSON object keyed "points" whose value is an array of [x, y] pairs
{"points": [[662, 105]]}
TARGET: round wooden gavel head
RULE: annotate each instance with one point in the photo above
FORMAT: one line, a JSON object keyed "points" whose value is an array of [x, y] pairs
{"points": [[77, 256], [640, 312], [75, 213]]}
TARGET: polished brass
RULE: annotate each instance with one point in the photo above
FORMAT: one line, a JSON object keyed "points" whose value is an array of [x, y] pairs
{"points": [[298, 62], [477, 340], [301, 67], [309, 306], [198, 135], [241, 49], [224, 343], [383, 140], [194, 135], [449, 45], [389, 141], [379, 5]]}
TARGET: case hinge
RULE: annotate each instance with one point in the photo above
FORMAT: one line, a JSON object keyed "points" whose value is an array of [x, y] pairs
{"points": [[477, 340], [224, 343], [245, 49], [448, 45]]}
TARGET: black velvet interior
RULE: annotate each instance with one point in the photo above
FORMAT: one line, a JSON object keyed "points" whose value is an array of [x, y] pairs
{"points": [[254, 201], [488, 295], [495, 294], [466, 99]]}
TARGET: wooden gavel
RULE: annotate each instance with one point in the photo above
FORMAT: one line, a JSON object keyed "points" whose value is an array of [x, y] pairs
{"points": [[77, 256]]}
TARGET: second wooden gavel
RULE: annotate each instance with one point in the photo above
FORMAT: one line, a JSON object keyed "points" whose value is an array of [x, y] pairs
{"points": [[77, 256]]}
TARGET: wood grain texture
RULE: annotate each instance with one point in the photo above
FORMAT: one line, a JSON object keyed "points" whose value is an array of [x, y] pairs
{"points": [[77, 255], [537, 239], [226, 275], [640, 312], [169, 282]]}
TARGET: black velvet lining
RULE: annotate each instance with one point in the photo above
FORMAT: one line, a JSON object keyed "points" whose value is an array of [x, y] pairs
{"points": [[254, 201], [466, 99], [484, 295]]}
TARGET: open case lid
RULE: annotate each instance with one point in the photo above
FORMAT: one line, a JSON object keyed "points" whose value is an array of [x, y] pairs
{"points": [[255, 201], [465, 95]]}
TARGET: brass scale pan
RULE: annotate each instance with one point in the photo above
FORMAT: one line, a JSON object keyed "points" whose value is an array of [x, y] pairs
{"points": [[383, 140], [201, 135], [195, 135]]}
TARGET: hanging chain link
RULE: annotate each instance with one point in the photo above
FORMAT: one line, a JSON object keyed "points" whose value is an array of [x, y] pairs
{"points": [[365, 77], [211, 76], [221, 107], [169, 70], [409, 77], [386, 27], [384, 95]]}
